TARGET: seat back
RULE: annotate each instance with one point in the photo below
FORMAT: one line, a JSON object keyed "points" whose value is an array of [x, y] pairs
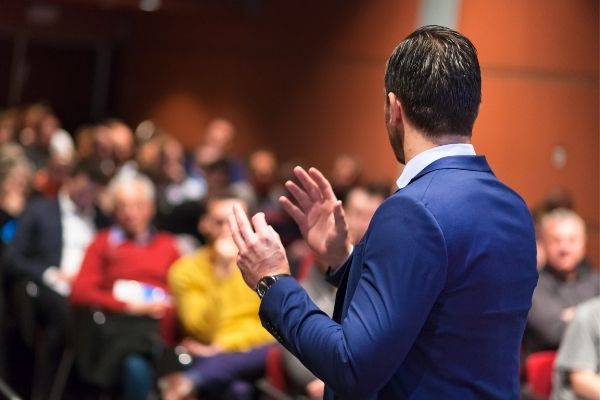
{"points": [[538, 367]]}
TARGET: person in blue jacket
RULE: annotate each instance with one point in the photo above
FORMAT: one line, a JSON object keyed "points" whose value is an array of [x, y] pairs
{"points": [[432, 302]]}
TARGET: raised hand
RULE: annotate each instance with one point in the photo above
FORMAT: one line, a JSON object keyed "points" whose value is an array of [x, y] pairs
{"points": [[260, 250], [319, 215]]}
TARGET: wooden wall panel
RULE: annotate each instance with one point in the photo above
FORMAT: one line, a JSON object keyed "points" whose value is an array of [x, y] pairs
{"points": [[306, 80], [540, 90]]}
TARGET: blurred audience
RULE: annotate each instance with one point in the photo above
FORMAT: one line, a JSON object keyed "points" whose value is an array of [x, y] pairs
{"points": [[263, 178], [214, 160], [53, 200], [557, 198], [45, 256], [15, 184], [566, 280], [360, 205], [577, 366], [8, 125], [346, 174], [266, 179], [124, 275], [174, 186], [49, 179], [218, 314], [123, 146]]}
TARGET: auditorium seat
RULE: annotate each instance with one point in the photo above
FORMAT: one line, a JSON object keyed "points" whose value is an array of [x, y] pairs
{"points": [[538, 367]]}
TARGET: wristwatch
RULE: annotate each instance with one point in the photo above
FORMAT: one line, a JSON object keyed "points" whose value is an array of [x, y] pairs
{"points": [[266, 282]]}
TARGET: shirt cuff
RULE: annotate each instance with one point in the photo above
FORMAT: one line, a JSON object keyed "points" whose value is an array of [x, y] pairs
{"points": [[333, 270], [51, 278]]}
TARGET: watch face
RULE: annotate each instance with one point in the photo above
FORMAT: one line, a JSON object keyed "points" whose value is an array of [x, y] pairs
{"points": [[264, 284]]}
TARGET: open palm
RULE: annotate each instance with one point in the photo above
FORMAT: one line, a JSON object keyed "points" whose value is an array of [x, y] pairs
{"points": [[319, 215]]}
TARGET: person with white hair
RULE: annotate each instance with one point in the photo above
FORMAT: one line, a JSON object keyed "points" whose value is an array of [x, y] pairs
{"points": [[124, 277]]}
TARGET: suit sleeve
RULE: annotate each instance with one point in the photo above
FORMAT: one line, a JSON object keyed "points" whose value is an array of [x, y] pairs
{"points": [[21, 258], [403, 270]]}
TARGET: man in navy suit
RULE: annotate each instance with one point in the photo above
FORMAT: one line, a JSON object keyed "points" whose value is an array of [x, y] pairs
{"points": [[432, 302]]}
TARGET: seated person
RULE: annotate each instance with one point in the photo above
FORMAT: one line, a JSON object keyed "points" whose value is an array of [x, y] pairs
{"points": [[566, 280], [124, 274], [218, 313], [577, 366], [45, 256], [359, 206]]}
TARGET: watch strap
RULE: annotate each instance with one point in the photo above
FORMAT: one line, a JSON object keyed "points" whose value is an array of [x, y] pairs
{"points": [[265, 283]]}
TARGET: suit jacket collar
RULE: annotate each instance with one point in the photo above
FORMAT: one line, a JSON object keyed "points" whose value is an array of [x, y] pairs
{"points": [[470, 163]]}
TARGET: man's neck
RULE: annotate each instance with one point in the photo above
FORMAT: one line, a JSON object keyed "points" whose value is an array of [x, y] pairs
{"points": [[565, 275], [416, 142]]}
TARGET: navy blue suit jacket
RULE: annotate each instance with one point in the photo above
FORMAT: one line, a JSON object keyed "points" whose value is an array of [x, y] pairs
{"points": [[432, 303]]}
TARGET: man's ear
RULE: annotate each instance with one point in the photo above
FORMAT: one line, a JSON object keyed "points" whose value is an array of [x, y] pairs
{"points": [[395, 109]]}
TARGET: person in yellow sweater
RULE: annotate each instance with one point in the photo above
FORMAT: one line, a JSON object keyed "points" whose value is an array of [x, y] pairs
{"points": [[218, 314]]}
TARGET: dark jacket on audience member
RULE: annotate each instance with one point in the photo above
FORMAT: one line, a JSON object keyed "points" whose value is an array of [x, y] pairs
{"points": [[552, 295], [37, 243]]}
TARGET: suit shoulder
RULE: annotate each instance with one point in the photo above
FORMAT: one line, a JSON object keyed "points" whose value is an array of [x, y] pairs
{"points": [[406, 208], [412, 197]]}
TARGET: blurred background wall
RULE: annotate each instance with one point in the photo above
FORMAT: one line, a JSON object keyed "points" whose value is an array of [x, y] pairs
{"points": [[305, 78]]}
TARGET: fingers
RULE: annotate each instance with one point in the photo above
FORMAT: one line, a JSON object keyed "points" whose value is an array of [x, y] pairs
{"points": [[339, 218], [323, 183], [260, 224], [244, 226], [300, 195], [294, 212], [235, 233], [242, 232], [309, 185]]}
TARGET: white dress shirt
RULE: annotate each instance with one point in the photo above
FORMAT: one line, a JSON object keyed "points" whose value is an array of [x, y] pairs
{"points": [[422, 160], [78, 230]]}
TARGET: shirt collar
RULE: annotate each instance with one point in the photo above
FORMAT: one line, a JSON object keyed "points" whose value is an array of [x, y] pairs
{"points": [[422, 160], [66, 204], [117, 236]]}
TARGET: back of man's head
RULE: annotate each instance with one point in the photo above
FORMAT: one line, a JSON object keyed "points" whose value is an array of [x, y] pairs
{"points": [[436, 75], [91, 170]]}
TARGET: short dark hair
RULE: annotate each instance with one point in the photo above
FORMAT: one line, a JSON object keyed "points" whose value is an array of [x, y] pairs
{"points": [[90, 169], [435, 73]]}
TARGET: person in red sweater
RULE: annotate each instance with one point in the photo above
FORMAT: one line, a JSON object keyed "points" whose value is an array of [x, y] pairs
{"points": [[124, 276]]}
